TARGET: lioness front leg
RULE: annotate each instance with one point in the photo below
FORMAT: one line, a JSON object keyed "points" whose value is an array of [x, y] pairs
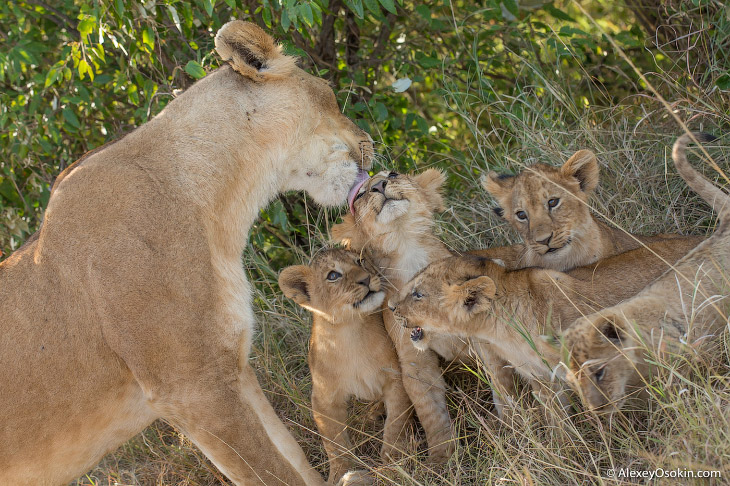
{"points": [[228, 417], [330, 414], [398, 418]]}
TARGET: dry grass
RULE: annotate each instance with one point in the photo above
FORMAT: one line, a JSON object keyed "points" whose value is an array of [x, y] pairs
{"points": [[687, 425]]}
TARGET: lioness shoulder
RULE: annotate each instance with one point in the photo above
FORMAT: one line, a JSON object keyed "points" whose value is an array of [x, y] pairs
{"points": [[350, 353]]}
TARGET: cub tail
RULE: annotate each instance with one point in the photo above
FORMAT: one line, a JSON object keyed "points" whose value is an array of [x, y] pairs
{"points": [[714, 196]]}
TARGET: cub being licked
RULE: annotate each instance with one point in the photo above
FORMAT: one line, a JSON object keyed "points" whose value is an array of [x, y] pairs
{"points": [[548, 207], [474, 297], [614, 351], [391, 219], [350, 353]]}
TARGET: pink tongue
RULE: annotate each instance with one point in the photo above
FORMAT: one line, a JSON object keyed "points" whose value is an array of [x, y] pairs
{"points": [[361, 179]]}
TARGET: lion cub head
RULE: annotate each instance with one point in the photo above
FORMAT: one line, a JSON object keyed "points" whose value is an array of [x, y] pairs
{"points": [[450, 296], [338, 284], [548, 207], [391, 208], [289, 119], [606, 360]]}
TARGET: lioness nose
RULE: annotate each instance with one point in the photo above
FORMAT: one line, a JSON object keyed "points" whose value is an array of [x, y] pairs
{"points": [[365, 281], [546, 240], [379, 187]]}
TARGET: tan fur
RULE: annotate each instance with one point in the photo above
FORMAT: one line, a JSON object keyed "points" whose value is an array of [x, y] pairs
{"points": [[562, 237], [395, 228], [476, 298], [683, 312], [350, 353], [132, 304]]}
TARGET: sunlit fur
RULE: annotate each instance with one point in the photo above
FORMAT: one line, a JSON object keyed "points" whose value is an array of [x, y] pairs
{"points": [[684, 312], [350, 353], [564, 236], [473, 297], [395, 227], [131, 303]]}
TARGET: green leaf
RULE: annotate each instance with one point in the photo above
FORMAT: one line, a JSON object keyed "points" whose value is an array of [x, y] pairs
{"points": [[86, 27], [231, 3], [306, 11], [208, 7], [70, 116], [266, 15], [356, 6], [558, 14], [119, 7], [426, 61], [512, 7], [424, 12], [381, 112], [175, 17], [195, 70], [285, 22], [389, 6], [373, 7], [148, 37], [723, 82]]}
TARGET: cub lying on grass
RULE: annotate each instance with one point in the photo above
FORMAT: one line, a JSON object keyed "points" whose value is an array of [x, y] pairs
{"points": [[474, 297], [548, 207], [680, 313], [350, 354]]}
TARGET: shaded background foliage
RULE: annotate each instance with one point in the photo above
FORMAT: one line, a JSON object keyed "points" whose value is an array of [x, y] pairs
{"points": [[76, 74]]}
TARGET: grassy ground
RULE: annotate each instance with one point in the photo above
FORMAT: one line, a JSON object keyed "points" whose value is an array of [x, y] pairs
{"points": [[687, 425]]}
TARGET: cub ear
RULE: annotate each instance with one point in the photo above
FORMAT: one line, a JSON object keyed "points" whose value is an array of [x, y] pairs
{"points": [[344, 233], [431, 182], [293, 281], [499, 186], [583, 165], [611, 328], [474, 295], [251, 51]]}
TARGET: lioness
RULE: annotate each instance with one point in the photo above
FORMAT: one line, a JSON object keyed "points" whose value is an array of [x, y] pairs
{"points": [[132, 304], [392, 220], [350, 353], [474, 297], [682, 312], [548, 207]]}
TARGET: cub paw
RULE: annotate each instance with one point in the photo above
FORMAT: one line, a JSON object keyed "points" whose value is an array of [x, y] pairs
{"points": [[357, 478]]}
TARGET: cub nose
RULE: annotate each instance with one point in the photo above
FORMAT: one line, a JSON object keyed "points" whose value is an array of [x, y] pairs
{"points": [[379, 187], [365, 281], [545, 241], [391, 306]]}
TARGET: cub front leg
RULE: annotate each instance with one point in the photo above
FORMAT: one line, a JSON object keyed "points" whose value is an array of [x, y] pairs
{"points": [[397, 420], [502, 375], [426, 388], [330, 414]]}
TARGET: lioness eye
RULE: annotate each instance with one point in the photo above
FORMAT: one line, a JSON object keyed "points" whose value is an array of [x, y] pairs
{"points": [[393, 175], [553, 202], [521, 215], [332, 276]]}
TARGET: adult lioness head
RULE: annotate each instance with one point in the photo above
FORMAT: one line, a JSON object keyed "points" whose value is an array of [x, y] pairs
{"points": [[548, 207], [337, 283], [325, 151], [391, 209]]}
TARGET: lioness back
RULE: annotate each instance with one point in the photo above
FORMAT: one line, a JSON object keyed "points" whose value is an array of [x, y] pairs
{"points": [[548, 207]]}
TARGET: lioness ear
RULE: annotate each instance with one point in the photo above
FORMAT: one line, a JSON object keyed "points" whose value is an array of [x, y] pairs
{"points": [[344, 232], [499, 186], [475, 294], [584, 167], [251, 51], [431, 181], [293, 282]]}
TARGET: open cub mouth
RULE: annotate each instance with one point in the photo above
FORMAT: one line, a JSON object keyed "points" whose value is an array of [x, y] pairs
{"points": [[557, 248], [416, 334]]}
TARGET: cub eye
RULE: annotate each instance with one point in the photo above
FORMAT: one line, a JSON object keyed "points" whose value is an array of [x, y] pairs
{"points": [[598, 375], [416, 295], [393, 175], [553, 202], [332, 276], [358, 196], [521, 215]]}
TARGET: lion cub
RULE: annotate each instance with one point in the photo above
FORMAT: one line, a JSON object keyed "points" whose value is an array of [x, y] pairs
{"points": [[548, 207], [350, 354], [682, 312], [474, 297]]}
